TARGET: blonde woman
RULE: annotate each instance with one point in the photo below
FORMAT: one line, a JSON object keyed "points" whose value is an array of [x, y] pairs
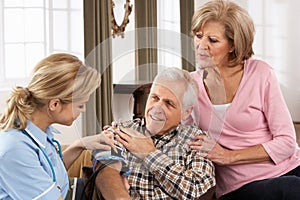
{"points": [[30, 167]]}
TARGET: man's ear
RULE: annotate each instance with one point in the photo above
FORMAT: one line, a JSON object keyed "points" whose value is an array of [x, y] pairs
{"points": [[54, 104], [186, 113]]}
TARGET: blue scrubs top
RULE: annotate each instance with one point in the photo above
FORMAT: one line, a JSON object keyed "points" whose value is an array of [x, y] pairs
{"points": [[24, 170]]}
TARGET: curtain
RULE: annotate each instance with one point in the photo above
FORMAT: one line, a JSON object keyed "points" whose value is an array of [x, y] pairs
{"points": [[188, 55], [146, 39], [97, 50]]}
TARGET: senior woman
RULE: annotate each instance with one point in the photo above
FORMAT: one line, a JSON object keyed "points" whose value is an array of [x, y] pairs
{"points": [[242, 108]]}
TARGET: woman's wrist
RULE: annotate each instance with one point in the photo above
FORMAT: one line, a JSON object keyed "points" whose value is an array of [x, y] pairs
{"points": [[79, 144], [232, 156]]}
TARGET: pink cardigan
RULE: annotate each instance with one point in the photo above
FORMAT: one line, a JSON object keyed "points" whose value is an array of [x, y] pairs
{"points": [[257, 115]]}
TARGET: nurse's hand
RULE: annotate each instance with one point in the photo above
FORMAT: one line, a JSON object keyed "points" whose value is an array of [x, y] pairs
{"points": [[99, 141]]}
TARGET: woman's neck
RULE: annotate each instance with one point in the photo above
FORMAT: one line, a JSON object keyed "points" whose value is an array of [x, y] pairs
{"points": [[227, 72], [40, 119]]}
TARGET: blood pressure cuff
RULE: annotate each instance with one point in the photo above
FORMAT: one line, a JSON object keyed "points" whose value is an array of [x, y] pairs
{"points": [[103, 157]]}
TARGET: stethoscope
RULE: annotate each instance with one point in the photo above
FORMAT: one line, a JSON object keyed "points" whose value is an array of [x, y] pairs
{"points": [[37, 143]]}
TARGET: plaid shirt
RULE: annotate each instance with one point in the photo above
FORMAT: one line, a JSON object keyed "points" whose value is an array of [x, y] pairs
{"points": [[173, 171]]}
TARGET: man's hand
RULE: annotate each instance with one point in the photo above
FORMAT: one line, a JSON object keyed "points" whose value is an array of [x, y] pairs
{"points": [[135, 142]]}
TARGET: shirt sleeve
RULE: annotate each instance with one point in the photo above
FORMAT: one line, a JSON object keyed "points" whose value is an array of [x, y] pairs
{"points": [[23, 177], [283, 144], [181, 182]]}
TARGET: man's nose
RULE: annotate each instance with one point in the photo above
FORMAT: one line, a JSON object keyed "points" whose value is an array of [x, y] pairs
{"points": [[157, 108]]}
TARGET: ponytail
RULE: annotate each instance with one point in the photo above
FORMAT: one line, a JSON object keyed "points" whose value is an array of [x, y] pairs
{"points": [[19, 107], [58, 76]]}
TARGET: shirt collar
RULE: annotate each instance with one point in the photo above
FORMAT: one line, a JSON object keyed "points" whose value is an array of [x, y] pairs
{"points": [[38, 135], [165, 138]]}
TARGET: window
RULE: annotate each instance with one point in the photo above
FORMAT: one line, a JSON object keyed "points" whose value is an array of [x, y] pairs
{"points": [[169, 44], [169, 37], [31, 30], [268, 37], [276, 41]]}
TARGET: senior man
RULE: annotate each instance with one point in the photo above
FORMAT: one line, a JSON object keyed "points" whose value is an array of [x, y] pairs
{"points": [[162, 164]]}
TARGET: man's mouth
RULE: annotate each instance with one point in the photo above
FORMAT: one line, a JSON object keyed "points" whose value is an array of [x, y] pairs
{"points": [[155, 118]]}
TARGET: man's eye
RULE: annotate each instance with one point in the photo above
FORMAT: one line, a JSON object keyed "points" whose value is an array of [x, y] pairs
{"points": [[169, 103], [154, 97]]}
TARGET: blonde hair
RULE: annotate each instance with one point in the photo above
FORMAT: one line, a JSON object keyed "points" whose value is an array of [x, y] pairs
{"points": [[239, 27], [58, 76]]}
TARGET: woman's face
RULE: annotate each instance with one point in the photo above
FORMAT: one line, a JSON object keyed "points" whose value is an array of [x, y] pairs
{"points": [[70, 111], [211, 46]]}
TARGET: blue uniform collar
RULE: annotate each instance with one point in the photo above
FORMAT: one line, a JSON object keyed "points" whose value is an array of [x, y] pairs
{"points": [[39, 136]]}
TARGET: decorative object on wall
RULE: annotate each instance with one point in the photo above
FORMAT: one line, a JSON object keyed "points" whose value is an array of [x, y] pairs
{"points": [[118, 30]]}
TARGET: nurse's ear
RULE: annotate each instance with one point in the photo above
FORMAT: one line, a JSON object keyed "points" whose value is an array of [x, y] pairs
{"points": [[54, 104]]}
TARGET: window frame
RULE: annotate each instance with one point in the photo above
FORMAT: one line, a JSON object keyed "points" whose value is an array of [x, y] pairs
{"points": [[48, 39]]}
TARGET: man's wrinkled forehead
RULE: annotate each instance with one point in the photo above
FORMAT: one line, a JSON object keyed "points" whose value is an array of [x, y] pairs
{"points": [[177, 87]]}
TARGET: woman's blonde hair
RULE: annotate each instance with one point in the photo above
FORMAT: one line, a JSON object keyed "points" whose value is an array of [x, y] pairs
{"points": [[58, 76], [239, 27]]}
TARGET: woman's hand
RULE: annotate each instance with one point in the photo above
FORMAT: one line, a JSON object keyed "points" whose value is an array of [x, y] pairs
{"points": [[208, 148], [219, 155], [99, 141]]}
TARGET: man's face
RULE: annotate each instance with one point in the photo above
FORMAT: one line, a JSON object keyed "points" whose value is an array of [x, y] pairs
{"points": [[163, 107]]}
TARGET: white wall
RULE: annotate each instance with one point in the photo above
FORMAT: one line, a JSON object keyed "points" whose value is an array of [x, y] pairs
{"points": [[290, 65], [3, 96]]}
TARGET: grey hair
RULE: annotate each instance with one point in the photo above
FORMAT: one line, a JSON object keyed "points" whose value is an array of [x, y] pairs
{"points": [[191, 87]]}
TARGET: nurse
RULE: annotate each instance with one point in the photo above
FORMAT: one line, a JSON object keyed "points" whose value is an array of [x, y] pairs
{"points": [[30, 167]]}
